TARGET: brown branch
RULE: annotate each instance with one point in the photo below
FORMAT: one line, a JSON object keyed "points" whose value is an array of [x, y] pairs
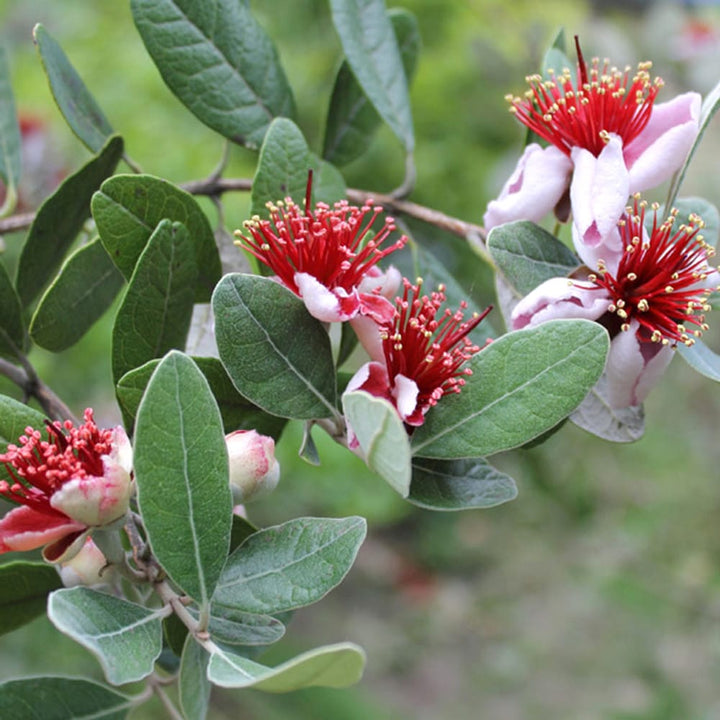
{"points": [[14, 223]]}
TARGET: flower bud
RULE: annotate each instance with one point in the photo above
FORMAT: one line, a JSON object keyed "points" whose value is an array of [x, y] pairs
{"points": [[254, 471], [88, 567]]}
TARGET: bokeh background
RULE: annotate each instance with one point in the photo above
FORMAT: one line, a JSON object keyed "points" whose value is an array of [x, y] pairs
{"points": [[596, 593]]}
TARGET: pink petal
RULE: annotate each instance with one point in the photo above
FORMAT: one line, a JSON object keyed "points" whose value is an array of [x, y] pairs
{"points": [[405, 394], [368, 334], [386, 282], [380, 309], [324, 304], [661, 148], [373, 378], [633, 367], [599, 191], [610, 251], [560, 298], [534, 189], [24, 528]]}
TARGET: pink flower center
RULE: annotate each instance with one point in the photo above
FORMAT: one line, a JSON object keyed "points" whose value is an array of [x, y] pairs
{"points": [[40, 467], [427, 349], [604, 100], [328, 243], [662, 278]]}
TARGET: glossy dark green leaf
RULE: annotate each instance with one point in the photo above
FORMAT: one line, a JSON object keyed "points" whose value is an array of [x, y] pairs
{"points": [[334, 666], [15, 417], [83, 290], [126, 638], [154, 316], [12, 327], [290, 565], [10, 157], [522, 385], [242, 529], [61, 698], [282, 170], [24, 587], [372, 53], [219, 62], [277, 355], [181, 470], [527, 255], [128, 208], [352, 120], [459, 484], [194, 686], [60, 219], [74, 100]]}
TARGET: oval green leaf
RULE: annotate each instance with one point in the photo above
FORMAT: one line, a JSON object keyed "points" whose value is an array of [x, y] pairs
{"points": [[10, 140], [128, 208], [12, 327], [24, 587], [522, 385], [382, 437], [181, 470], [219, 62], [60, 219], [155, 313], [194, 686], [277, 355], [83, 290], [74, 100], [125, 638], [290, 565], [333, 666]]}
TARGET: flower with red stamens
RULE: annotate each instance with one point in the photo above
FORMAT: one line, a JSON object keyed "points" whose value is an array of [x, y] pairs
{"points": [[327, 256], [607, 139], [423, 354], [651, 294], [75, 479]]}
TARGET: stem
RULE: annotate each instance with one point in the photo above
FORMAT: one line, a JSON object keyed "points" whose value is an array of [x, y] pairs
{"points": [[171, 710], [21, 221]]}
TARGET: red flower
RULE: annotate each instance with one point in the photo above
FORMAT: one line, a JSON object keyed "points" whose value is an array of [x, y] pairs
{"points": [[76, 479]]}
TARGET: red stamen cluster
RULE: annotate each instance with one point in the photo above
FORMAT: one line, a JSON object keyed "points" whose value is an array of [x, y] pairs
{"points": [[327, 243], [606, 100], [662, 278], [40, 467], [429, 350]]}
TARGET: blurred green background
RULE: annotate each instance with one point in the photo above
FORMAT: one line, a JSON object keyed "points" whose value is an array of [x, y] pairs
{"points": [[595, 594]]}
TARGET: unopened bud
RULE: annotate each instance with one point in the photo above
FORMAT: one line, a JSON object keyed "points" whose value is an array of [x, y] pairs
{"points": [[89, 567], [254, 471]]}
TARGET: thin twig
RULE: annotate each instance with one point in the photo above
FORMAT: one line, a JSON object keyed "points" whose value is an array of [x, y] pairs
{"points": [[22, 221]]}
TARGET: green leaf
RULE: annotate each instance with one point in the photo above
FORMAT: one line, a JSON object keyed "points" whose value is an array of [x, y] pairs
{"points": [[701, 358], [522, 385], [155, 313], [83, 290], [235, 627], [219, 62], [181, 470], [595, 415], [60, 219], [12, 327], [61, 698], [237, 413], [372, 53], [283, 166], [74, 100], [277, 355], [382, 437], [125, 638], [459, 484], [352, 120], [334, 666], [527, 255], [14, 418], [24, 587], [174, 633], [128, 208], [10, 140], [194, 686], [692, 205], [290, 565]]}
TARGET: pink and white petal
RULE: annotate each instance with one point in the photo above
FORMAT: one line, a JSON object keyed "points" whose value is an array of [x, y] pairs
{"points": [[121, 454], [560, 298], [368, 334], [372, 377], [25, 528], [95, 501], [386, 282], [405, 395], [610, 251], [598, 192], [663, 145], [634, 367], [377, 307], [535, 187], [324, 304]]}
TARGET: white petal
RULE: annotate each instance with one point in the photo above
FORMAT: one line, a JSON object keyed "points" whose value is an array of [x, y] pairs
{"points": [[405, 393], [322, 303]]}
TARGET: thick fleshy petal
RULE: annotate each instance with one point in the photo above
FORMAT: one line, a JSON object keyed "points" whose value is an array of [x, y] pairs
{"points": [[372, 377], [368, 334], [663, 145], [324, 304], [24, 528], [559, 298], [405, 394], [386, 282], [537, 184], [380, 309], [634, 367], [598, 192], [610, 251]]}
